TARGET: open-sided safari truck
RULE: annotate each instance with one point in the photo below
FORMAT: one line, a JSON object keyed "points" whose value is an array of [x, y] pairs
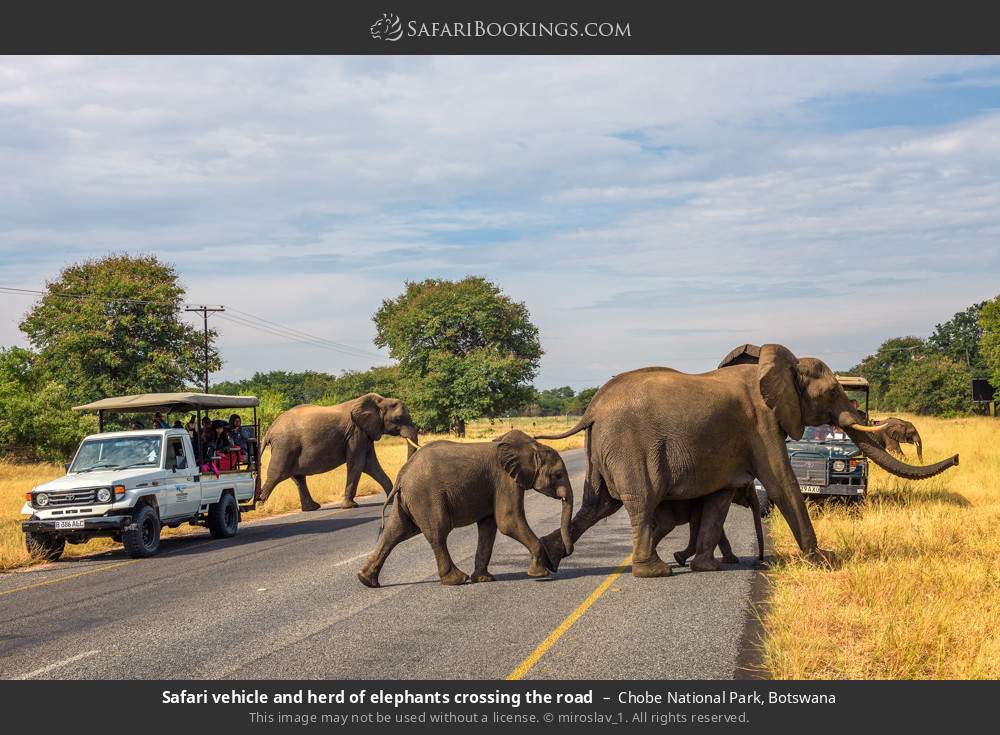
{"points": [[129, 484]]}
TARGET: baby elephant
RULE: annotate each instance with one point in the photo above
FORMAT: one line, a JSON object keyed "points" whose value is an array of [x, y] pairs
{"points": [[447, 484]]}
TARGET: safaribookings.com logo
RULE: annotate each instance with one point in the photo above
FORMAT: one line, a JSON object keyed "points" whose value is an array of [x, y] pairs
{"points": [[390, 28]]}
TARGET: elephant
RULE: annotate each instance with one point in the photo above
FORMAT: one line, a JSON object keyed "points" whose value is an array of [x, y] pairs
{"points": [[308, 440], [656, 435], [450, 484], [675, 510], [893, 432]]}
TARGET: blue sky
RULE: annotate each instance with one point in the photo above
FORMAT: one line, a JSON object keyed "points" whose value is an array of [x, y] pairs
{"points": [[649, 210]]}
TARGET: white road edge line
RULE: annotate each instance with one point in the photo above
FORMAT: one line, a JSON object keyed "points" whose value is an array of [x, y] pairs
{"points": [[353, 558], [57, 664]]}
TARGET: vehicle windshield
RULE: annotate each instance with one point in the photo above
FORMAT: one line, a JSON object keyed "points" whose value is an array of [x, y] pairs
{"points": [[117, 453], [824, 433]]}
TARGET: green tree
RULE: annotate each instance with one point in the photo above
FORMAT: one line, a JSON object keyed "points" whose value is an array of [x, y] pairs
{"points": [[959, 339], [583, 400], [36, 421], [891, 355], [298, 387], [465, 350], [933, 385], [989, 341], [113, 326], [353, 383]]}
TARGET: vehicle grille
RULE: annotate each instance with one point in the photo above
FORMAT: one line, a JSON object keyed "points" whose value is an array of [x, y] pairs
{"points": [[811, 470], [73, 497]]}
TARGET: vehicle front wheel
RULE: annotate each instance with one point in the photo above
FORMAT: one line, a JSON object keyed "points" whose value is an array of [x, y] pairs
{"points": [[142, 538], [44, 545], [224, 517]]}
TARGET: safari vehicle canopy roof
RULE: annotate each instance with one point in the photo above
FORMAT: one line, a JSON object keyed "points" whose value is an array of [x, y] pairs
{"points": [[166, 402], [853, 382]]}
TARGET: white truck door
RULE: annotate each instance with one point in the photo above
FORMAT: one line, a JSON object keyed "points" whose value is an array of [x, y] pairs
{"points": [[183, 492]]}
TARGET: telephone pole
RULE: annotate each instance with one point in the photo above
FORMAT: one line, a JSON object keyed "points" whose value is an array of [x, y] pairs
{"points": [[205, 311]]}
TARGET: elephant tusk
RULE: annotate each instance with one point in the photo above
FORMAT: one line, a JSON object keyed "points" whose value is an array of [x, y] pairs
{"points": [[411, 442], [865, 429]]}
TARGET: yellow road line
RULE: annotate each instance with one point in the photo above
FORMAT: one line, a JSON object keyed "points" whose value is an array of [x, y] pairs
{"points": [[108, 567], [525, 666], [68, 576]]}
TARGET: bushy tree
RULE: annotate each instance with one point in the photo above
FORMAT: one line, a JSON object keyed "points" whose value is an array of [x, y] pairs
{"points": [[113, 326], [465, 350], [308, 386], [892, 354], [959, 339], [353, 383], [36, 421], [933, 385], [989, 341]]}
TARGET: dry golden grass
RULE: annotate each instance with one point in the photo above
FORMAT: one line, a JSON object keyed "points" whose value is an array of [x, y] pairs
{"points": [[916, 590], [17, 479]]}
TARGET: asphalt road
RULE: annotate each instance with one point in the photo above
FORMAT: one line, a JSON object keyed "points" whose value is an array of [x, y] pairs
{"points": [[281, 601]]}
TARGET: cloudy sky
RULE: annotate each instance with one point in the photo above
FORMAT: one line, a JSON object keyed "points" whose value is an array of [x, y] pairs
{"points": [[651, 210]]}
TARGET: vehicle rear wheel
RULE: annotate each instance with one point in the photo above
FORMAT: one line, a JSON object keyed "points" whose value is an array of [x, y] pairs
{"points": [[142, 538], [224, 517], [45, 546]]}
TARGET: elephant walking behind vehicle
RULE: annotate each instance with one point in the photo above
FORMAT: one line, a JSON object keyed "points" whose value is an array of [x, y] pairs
{"points": [[656, 435], [448, 484], [308, 440]]}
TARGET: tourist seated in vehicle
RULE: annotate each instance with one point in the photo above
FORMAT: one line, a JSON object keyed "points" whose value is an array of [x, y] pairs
{"points": [[218, 446], [159, 422], [137, 426], [239, 434]]}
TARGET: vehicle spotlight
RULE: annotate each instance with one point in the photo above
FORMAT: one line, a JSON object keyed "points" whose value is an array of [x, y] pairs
{"points": [[104, 495], [41, 500]]}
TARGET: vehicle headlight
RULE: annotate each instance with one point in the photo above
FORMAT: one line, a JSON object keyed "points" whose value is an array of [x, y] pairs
{"points": [[104, 495], [42, 499], [839, 465]]}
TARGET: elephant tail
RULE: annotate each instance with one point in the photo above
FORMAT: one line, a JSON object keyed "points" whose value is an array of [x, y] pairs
{"points": [[585, 423], [388, 501]]}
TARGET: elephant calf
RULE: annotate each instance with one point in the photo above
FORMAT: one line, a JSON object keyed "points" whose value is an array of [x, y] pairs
{"points": [[690, 511], [447, 484]]}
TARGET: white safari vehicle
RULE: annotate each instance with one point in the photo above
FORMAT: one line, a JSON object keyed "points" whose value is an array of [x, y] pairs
{"points": [[129, 484]]}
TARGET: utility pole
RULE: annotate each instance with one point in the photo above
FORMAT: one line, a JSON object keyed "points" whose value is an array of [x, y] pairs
{"points": [[205, 311]]}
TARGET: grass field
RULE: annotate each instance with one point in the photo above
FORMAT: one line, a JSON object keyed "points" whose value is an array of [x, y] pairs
{"points": [[17, 479], [915, 593]]}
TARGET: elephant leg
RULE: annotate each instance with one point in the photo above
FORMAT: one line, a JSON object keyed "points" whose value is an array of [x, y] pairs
{"points": [[517, 528], [355, 466], [375, 471], [597, 505], [892, 446], [487, 537], [398, 528], [305, 499], [694, 523], [273, 478], [713, 516], [447, 571], [645, 561], [726, 548]]}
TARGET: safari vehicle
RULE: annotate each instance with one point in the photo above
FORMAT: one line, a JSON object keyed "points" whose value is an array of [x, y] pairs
{"points": [[129, 484], [825, 460]]}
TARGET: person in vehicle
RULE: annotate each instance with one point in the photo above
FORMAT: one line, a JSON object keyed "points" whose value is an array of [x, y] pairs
{"points": [[218, 441], [158, 422], [137, 426], [239, 433]]}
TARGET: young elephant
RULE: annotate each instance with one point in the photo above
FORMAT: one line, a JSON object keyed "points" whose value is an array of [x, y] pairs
{"points": [[447, 484], [747, 497]]}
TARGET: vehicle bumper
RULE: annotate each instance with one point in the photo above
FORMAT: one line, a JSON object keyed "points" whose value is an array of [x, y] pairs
{"points": [[91, 526]]}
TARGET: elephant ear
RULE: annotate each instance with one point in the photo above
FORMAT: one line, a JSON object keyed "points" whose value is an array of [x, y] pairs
{"points": [[367, 416], [519, 457], [780, 387]]}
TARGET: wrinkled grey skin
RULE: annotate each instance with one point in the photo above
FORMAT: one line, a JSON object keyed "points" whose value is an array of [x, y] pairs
{"points": [[448, 484], [655, 435], [747, 497], [895, 432], [309, 440]]}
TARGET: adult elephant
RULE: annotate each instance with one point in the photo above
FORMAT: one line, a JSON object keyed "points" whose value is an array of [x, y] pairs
{"points": [[308, 440], [892, 432], [655, 435]]}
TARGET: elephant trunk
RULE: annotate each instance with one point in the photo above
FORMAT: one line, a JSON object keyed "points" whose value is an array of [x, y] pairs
{"points": [[409, 432], [890, 464], [920, 447], [566, 518]]}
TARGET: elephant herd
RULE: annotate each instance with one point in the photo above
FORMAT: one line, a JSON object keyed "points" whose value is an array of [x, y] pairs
{"points": [[672, 448]]}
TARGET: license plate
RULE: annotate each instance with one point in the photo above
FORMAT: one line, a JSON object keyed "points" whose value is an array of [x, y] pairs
{"points": [[811, 488], [75, 523]]}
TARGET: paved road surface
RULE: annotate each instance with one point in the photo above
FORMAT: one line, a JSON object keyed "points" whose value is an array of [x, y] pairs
{"points": [[281, 601]]}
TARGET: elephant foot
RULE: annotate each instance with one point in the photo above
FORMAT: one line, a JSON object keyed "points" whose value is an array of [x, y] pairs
{"points": [[652, 568], [310, 506], [368, 580], [537, 569], [730, 559], [455, 577], [553, 549], [681, 557], [824, 557], [346, 503], [708, 564], [483, 577]]}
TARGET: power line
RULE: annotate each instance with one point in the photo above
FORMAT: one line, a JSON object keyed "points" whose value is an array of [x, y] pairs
{"points": [[302, 340], [309, 336]]}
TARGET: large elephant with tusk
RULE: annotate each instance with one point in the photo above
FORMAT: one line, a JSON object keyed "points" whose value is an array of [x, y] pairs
{"points": [[308, 440], [656, 435]]}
